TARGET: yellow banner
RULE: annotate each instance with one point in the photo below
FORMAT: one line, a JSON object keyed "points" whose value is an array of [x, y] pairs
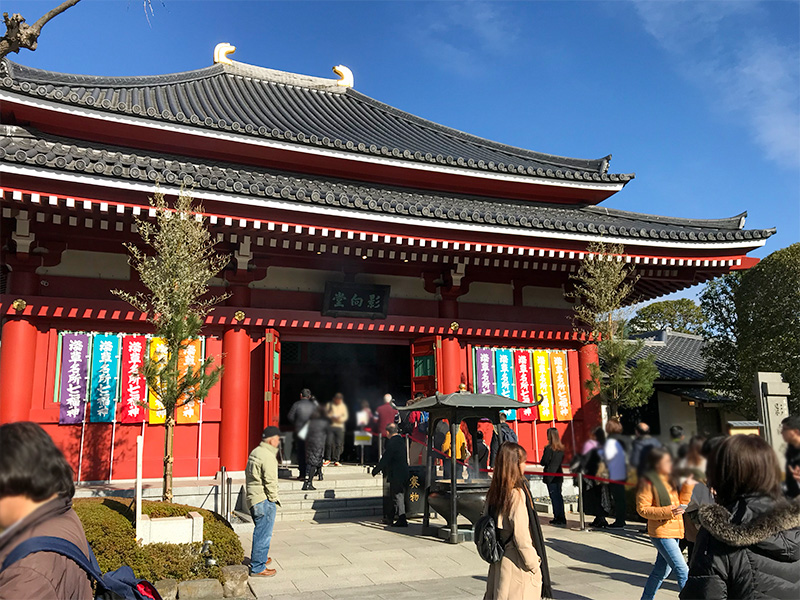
{"points": [[158, 351], [558, 364], [544, 388], [190, 358]]}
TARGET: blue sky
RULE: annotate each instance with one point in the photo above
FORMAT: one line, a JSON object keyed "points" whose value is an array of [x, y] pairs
{"points": [[700, 99]]}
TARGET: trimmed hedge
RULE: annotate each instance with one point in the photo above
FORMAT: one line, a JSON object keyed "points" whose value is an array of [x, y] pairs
{"points": [[108, 523]]}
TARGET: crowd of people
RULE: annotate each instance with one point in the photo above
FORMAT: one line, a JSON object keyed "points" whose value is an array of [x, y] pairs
{"points": [[722, 500]]}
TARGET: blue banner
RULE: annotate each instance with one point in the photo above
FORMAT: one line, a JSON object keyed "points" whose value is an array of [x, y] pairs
{"points": [[105, 376], [504, 360]]}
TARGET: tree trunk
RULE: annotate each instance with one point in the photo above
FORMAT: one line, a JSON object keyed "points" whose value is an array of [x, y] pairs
{"points": [[169, 435]]}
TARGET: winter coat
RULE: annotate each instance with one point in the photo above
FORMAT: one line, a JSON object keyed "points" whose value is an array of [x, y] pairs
{"points": [[45, 575], [792, 460], [503, 433], [640, 449], [551, 462], [301, 412], [518, 575], [394, 462], [315, 441], [661, 523], [385, 415], [748, 550], [261, 475]]}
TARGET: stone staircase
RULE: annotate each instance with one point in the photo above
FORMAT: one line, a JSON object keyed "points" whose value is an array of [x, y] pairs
{"points": [[346, 492]]}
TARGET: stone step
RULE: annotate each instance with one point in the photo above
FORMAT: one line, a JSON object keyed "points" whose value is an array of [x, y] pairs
{"points": [[329, 503], [323, 493], [331, 514], [341, 483]]}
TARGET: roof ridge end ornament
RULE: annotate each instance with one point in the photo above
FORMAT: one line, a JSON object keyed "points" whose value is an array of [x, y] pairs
{"points": [[345, 76], [221, 52]]}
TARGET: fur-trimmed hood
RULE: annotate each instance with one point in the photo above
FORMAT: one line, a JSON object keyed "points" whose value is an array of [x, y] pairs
{"points": [[753, 521]]}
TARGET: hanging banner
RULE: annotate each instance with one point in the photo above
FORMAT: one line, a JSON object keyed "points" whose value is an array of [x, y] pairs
{"points": [[524, 381], [103, 394], [544, 388], [504, 359], [189, 358], [134, 387], [484, 365], [158, 352], [73, 378], [558, 363]]}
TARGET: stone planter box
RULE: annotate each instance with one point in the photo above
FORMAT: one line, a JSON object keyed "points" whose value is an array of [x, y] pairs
{"points": [[171, 530]]}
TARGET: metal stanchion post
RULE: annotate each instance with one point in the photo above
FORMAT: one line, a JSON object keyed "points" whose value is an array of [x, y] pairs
{"points": [[229, 499], [580, 502], [222, 479]]}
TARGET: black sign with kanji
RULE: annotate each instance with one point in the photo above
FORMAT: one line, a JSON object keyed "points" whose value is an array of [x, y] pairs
{"points": [[355, 300]]}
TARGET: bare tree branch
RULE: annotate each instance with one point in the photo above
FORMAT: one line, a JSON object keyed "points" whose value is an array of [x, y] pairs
{"points": [[21, 35]]}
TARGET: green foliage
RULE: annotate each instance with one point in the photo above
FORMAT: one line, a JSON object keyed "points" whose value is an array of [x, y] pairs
{"points": [[683, 315], [108, 523], [623, 381], [603, 284], [175, 269], [754, 325]]}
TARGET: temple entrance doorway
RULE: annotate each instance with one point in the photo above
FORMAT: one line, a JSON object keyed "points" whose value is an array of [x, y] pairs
{"points": [[359, 371]]}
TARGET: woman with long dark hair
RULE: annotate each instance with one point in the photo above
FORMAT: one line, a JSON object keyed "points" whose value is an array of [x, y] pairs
{"points": [[552, 457], [522, 574], [659, 501], [749, 543]]}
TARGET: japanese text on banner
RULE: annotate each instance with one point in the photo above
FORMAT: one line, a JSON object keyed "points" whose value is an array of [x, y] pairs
{"points": [[73, 377], [134, 387], [484, 366], [525, 384], [191, 357], [158, 352], [105, 374], [558, 363], [544, 389], [504, 359]]}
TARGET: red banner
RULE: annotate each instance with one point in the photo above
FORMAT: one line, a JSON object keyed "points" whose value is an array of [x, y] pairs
{"points": [[525, 391], [558, 364], [133, 408]]}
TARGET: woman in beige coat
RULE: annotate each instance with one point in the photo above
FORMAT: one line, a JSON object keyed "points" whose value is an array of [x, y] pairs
{"points": [[518, 576]]}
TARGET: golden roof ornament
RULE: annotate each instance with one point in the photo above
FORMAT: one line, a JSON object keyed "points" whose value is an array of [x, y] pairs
{"points": [[345, 76], [221, 52]]}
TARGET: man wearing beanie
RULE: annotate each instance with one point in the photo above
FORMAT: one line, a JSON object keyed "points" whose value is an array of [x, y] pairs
{"points": [[261, 476]]}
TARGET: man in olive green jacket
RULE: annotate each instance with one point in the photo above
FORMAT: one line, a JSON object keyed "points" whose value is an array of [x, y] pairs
{"points": [[261, 487]]}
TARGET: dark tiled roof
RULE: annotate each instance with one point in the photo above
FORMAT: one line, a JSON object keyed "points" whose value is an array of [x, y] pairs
{"points": [[698, 393], [678, 355], [312, 111], [23, 147]]}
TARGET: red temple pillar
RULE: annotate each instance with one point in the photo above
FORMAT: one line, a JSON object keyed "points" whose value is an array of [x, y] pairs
{"points": [[17, 361], [451, 364], [589, 402], [233, 433]]}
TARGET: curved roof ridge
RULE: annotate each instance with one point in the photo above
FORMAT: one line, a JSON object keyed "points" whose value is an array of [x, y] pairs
{"points": [[597, 164], [301, 109], [735, 222]]}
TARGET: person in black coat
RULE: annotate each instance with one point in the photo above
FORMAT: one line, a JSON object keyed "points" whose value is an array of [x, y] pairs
{"points": [[790, 430], [552, 458], [315, 446], [749, 544], [394, 466]]}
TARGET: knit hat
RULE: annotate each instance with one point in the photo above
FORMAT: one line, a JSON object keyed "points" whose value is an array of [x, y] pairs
{"points": [[270, 431]]}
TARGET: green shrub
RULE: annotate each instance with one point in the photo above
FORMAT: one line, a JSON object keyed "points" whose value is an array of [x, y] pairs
{"points": [[108, 523]]}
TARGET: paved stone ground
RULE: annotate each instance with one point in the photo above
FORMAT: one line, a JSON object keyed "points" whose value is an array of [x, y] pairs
{"points": [[363, 559]]}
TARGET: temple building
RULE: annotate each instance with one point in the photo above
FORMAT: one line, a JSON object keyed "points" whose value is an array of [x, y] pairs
{"points": [[372, 251]]}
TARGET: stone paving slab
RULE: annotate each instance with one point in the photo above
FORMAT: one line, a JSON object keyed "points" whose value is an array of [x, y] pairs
{"points": [[363, 559]]}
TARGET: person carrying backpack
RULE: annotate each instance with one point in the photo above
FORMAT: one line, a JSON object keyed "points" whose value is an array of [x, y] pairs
{"points": [[43, 549], [518, 563], [502, 433]]}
